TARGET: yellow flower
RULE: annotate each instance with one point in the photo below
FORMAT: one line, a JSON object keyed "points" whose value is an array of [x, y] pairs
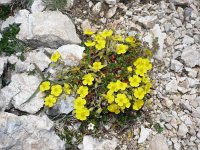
{"points": [[131, 40], [97, 66], [117, 38], [83, 91], [55, 56], [88, 79], [134, 81], [45, 86], [88, 32], [145, 79], [98, 38], [89, 43], [110, 97], [139, 93], [112, 87], [121, 99], [106, 33], [129, 69], [101, 44], [114, 108], [121, 85], [138, 104], [121, 48], [79, 103], [143, 63], [49, 101], [141, 71], [56, 90], [147, 87], [82, 113], [67, 88]]}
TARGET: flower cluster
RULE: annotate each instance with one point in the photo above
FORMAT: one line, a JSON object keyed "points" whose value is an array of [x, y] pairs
{"points": [[113, 76]]}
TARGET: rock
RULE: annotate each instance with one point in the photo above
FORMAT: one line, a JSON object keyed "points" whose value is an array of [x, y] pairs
{"points": [[63, 106], [171, 86], [191, 72], [87, 25], [70, 4], [187, 40], [10, 20], [41, 29], [3, 64], [5, 2], [191, 56], [71, 54], [111, 12], [20, 89], [196, 112], [158, 142], [182, 130], [29, 132], [161, 37], [38, 58], [144, 133], [176, 65], [97, 8], [21, 66], [111, 2], [147, 21], [181, 2], [90, 143], [37, 6]]}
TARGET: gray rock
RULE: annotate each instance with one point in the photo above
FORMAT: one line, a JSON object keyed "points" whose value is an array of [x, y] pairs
{"points": [[196, 112], [71, 54], [97, 8], [21, 66], [41, 29], [7, 22], [20, 89], [191, 56], [147, 21], [144, 133], [5, 2], [176, 65], [161, 37], [172, 86], [158, 143], [38, 58], [182, 130], [29, 132], [37, 6], [3, 64], [111, 2], [187, 40], [62, 106], [181, 2], [111, 12], [90, 143]]}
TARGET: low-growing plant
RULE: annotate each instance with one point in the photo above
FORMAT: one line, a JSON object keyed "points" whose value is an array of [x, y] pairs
{"points": [[113, 76], [4, 11]]}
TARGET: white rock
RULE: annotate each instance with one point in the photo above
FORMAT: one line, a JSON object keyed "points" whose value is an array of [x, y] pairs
{"points": [[158, 142], [191, 56], [188, 40], [147, 21], [37, 6], [29, 132], [97, 8], [144, 133], [41, 29], [3, 2], [20, 89], [191, 72], [171, 86], [21, 66], [181, 2], [111, 12], [196, 112], [182, 130], [3, 64], [90, 143], [161, 37], [71, 53], [176, 65], [10, 20], [111, 2], [38, 58]]}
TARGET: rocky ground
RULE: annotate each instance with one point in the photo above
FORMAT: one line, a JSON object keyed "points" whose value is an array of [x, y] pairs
{"points": [[173, 121]]}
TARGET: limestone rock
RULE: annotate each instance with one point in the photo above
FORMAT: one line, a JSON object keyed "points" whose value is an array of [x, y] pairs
{"points": [[144, 133], [176, 66], [20, 89], [191, 56], [188, 40], [158, 142], [37, 6], [5, 2], [147, 21], [111, 12], [172, 86], [71, 54], [182, 130], [29, 132], [3, 64], [49, 28], [7, 22], [181, 2], [111, 2], [97, 8]]}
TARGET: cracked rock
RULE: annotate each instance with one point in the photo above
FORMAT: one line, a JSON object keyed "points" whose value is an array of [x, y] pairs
{"points": [[158, 142]]}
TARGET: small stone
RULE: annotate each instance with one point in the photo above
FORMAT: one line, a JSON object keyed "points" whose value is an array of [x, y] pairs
{"points": [[5, 2], [176, 65], [147, 22], [182, 130], [3, 64], [97, 8], [144, 133], [111, 2], [158, 142], [196, 112], [111, 12], [172, 86], [191, 72], [187, 40], [37, 6]]}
